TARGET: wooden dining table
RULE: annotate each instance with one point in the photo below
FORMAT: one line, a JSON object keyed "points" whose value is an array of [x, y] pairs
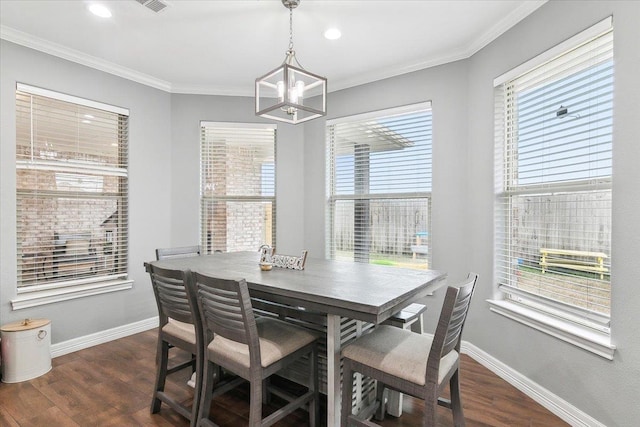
{"points": [[366, 293]]}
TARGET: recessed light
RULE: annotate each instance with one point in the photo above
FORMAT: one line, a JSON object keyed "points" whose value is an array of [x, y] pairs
{"points": [[100, 10], [332, 34]]}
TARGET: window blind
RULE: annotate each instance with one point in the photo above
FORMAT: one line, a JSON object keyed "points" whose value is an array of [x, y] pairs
{"points": [[379, 186], [554, 137], [71, 190], [238, 210]]}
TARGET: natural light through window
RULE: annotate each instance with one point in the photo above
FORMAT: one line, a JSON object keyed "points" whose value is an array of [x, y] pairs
{"points": [[379, 189], [237, 196], [71, 192]]}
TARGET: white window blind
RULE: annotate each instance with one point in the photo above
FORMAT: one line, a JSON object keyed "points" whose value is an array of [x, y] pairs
{"points": [[71, 190], [238, 210], [379, 187], [554, 137]]}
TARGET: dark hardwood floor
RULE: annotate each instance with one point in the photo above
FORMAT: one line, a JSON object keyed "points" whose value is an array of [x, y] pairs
{"points": [[110, 385]]}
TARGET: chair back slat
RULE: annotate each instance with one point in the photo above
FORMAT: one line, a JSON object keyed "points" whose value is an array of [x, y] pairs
{"points": [[179, 252], [222, 318], [448, 333], [225, 309], [171, 295]]}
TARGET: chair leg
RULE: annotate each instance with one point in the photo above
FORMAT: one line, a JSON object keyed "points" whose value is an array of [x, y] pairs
{"points": [[255, 403], [206, 391], [347, 393], [162, 360], [197, 390], [456, 400], [430, 409]]}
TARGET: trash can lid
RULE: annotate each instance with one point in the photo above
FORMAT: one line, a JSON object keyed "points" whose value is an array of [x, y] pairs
{"points": [[23, 325]]}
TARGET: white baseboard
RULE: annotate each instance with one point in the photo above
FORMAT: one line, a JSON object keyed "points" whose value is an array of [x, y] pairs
{"points": [[80, 343], [558, 406]]}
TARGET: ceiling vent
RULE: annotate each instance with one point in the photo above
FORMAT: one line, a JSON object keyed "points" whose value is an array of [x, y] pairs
{"points": [[155, 5]]}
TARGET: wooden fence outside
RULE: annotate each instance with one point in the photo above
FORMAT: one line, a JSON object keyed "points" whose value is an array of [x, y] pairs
{"points": [[394, 225], [578, 221]]}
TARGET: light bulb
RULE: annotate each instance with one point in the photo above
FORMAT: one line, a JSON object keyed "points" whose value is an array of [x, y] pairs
{"points": [[280, 87], [300, 89], [293, 95]]}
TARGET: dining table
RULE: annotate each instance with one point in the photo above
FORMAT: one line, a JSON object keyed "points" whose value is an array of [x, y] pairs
{"points": [[339, 291]]}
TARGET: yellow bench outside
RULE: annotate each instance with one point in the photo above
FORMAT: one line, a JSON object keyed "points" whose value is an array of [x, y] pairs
{"points": [[561, 258]]}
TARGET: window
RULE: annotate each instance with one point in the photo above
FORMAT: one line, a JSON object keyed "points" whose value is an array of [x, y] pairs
{"points": [[554, 173], [379, 187], [237, 190], [71, 190]]}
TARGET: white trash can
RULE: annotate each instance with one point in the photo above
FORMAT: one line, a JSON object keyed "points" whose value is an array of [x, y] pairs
{"points": [[26, 349]]}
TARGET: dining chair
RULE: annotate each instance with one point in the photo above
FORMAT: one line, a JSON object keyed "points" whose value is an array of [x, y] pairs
{"points": [[411, 363], [178, 252], [176, 329], [251, 347]]}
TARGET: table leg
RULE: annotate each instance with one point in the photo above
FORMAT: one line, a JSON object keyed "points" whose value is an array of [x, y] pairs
{"points": [[333, 370]]}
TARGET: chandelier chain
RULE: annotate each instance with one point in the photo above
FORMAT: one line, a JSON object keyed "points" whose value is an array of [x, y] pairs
{"points": [[290, 28]]}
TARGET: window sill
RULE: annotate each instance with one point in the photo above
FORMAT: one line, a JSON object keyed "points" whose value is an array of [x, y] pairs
{"points": [[580, 336], [50, 296]]}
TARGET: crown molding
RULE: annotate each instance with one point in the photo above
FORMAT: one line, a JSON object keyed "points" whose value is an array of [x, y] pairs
{"points": [[27, 40], [524, 10], [335, 85], [32, 42], [191, 89], [493, 33]]}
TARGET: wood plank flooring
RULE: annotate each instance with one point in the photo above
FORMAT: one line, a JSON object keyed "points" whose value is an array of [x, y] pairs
{"points": [[110, 385]]}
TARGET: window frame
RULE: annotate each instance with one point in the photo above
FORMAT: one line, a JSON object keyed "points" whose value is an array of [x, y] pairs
{"points": [[583, 328], [332, 194], [52, 291]]}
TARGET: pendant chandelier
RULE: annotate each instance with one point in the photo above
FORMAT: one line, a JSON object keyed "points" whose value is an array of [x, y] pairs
{"points": [[290, 93]]}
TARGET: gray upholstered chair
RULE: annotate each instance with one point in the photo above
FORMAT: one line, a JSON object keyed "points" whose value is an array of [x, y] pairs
{"points": [[174, 304], [179, 252], [252, 348], [411, 363]]}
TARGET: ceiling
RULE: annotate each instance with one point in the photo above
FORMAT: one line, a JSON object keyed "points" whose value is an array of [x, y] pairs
{"points": [[220, 47]]}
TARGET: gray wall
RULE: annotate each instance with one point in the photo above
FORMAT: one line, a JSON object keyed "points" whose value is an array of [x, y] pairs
{"points": [[606, 390], [164, 192], [149, 187]]}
